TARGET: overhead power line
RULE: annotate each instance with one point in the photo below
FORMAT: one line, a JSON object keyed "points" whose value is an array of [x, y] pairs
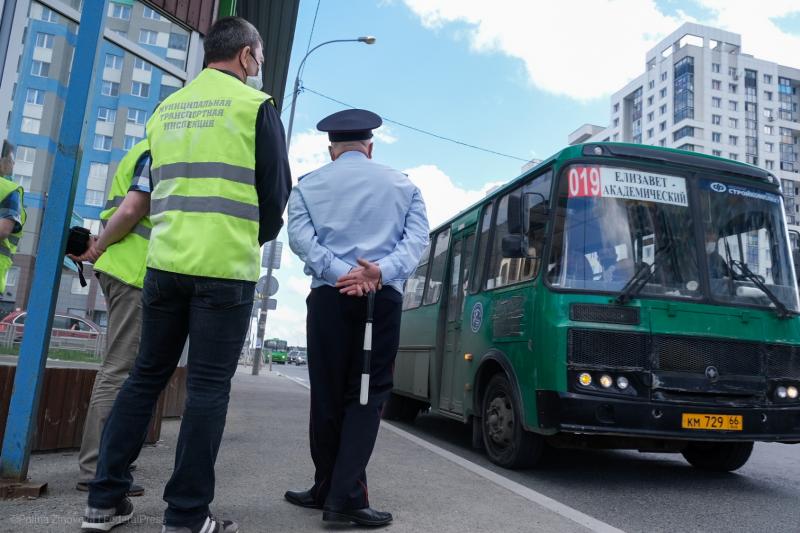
{"points": [[420, 130], [313, 25]]}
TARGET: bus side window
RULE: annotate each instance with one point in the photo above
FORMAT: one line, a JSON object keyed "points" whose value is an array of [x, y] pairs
{"points": [[483, 245], [438, 265], [415, 286]]}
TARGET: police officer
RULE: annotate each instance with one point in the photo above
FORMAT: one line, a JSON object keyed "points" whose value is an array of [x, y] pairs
{"points": [[119, 261], [358, 226], [221, 180], [12, 213]]}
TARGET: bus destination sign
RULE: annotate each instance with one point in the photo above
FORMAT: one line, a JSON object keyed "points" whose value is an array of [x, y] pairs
{"points": [[625, 183]]}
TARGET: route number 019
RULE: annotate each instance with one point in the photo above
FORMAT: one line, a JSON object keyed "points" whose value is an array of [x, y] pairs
{"points": [[584, 181]]}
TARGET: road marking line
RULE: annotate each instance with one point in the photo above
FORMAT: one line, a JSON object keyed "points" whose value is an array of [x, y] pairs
{"points": [[589, 522]]}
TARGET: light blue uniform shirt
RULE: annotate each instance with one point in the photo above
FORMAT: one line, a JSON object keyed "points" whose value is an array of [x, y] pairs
{"points": [[356, 208]]}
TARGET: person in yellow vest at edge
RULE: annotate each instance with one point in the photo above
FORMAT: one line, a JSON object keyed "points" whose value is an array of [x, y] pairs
{"points": [[119, 256], [12, 213], [220, 182]]}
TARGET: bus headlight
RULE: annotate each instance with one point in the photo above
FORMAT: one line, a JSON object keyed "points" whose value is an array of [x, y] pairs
{"points": [[791, 392], [622, 383], [781, 392], [585, 379], [606, 381]]}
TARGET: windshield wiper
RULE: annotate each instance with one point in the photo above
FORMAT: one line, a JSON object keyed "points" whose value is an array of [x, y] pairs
{"points": [[641, 277], [780, 308]]}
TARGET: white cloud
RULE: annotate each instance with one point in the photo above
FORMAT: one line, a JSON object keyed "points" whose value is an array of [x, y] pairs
{"points": [[587, 50], [300, 285], [384, 135], [308, 151], [443, 198]]}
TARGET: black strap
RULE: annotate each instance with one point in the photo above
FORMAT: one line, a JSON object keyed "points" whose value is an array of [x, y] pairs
{"points": [[80, 273]]}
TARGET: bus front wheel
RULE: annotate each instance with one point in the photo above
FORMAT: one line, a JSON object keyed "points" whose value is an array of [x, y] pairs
{"points": [[506, 442], [718, 456]]}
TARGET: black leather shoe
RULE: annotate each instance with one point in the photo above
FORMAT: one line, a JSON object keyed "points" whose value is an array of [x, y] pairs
{"points": [[361, 517], [302, 498]]}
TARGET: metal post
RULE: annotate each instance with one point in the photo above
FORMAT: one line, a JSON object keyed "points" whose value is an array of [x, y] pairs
{"points": [[264, 308], [21, 423], [295, 92]]}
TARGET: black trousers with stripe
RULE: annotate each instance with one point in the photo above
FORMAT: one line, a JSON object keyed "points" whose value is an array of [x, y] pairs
{"points": [[342, 431]]}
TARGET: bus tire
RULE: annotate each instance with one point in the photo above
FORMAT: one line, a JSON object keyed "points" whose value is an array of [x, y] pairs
{"points": [[506, 442], [401, 408], [718, 456]]}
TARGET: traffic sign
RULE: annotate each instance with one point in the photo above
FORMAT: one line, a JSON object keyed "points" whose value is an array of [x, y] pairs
{"points": [[272, 304], [266, 287], [276, 256]]}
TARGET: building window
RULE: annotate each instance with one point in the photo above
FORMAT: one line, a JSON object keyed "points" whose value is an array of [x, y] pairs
{"points": [[732, 88], [76, 285], [650, 133], [48, 15], [22, 181], [662, 142], [130, 142], [44, 40], [93, 198], [34, 97], [31, 125], [770, 165], [105, 114], [732, 140], [686, 147], [119, 11], [662, 110], [616, 107], [140, 89], [662, 93], [683, 90], [26, 154], [767, 78], [141, 64], [40, 68], [716, 119], [110, 88], [733, 105], [662, 126], [717, 153], [616, 122], [716, 137], [12, 277], [178, 41], [768, 130], [767, 113], [148, 37], [137, 116], [113, 62], [716, 101], [733, 122], [716, 84], [650, 116], [769, 147], [733, 156], [102, 143], [165, 91], [649, 100], [616, 137], [151, 14], [686, 131], [651, 84], [714, 67], [663, 76], [732, 72], [768, 95], [98, 171]]}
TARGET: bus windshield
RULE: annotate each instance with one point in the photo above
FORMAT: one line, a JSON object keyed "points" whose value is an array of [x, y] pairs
{"points": [[743, 227], [612, 221]]}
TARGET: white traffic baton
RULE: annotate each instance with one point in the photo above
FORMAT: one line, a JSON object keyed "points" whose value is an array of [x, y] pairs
{"points": [[367, 349]]}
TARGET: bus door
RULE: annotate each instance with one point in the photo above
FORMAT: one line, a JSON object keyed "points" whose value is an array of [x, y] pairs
{"points": [[453, 365]]}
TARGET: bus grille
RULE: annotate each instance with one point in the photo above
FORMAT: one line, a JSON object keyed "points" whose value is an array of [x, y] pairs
{"points": [[675, 353]]}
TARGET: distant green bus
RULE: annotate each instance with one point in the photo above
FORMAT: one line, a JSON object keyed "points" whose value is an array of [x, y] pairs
{"points": [[277, 348], [614, 296]]}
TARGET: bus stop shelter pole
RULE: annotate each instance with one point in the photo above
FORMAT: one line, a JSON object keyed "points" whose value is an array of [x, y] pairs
{"points": [[23, 409]]}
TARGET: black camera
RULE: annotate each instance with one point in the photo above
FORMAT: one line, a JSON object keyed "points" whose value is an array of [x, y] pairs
{"points": [[78, 240]]}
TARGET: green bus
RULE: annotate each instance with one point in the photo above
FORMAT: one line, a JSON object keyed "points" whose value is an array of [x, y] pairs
{"points": [[277, 349], [614, 296]]}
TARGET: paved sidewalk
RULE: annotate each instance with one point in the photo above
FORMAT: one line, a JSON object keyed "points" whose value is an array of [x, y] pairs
{"points": [[265, 452]]}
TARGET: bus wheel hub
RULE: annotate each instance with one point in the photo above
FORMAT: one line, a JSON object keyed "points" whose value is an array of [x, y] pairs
{"points": [[500, 421]]}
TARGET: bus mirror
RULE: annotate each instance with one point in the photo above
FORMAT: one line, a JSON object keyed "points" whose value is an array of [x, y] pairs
{"points": [[514, 245], [514, 213], [537, 210]]}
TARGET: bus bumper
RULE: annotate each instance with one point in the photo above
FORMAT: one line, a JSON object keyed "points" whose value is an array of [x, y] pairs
{"points": [[587, 414]]}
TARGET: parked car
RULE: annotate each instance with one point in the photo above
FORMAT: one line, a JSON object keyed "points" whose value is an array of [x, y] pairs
{"points": [[300, 360], [63, 326]]}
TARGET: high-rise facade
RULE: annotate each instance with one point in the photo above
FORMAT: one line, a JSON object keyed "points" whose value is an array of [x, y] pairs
{"points": [[143, 57], [700, 92]]}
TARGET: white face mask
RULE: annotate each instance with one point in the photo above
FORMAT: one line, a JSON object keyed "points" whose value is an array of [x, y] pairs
{"points": [[710, 247], [256, 82]]}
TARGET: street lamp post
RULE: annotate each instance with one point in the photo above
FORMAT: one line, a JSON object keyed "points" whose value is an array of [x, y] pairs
{"points": [[366, 40]]}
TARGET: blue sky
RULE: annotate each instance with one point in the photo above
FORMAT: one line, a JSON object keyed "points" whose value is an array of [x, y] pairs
{"points": [[511, 76]]}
